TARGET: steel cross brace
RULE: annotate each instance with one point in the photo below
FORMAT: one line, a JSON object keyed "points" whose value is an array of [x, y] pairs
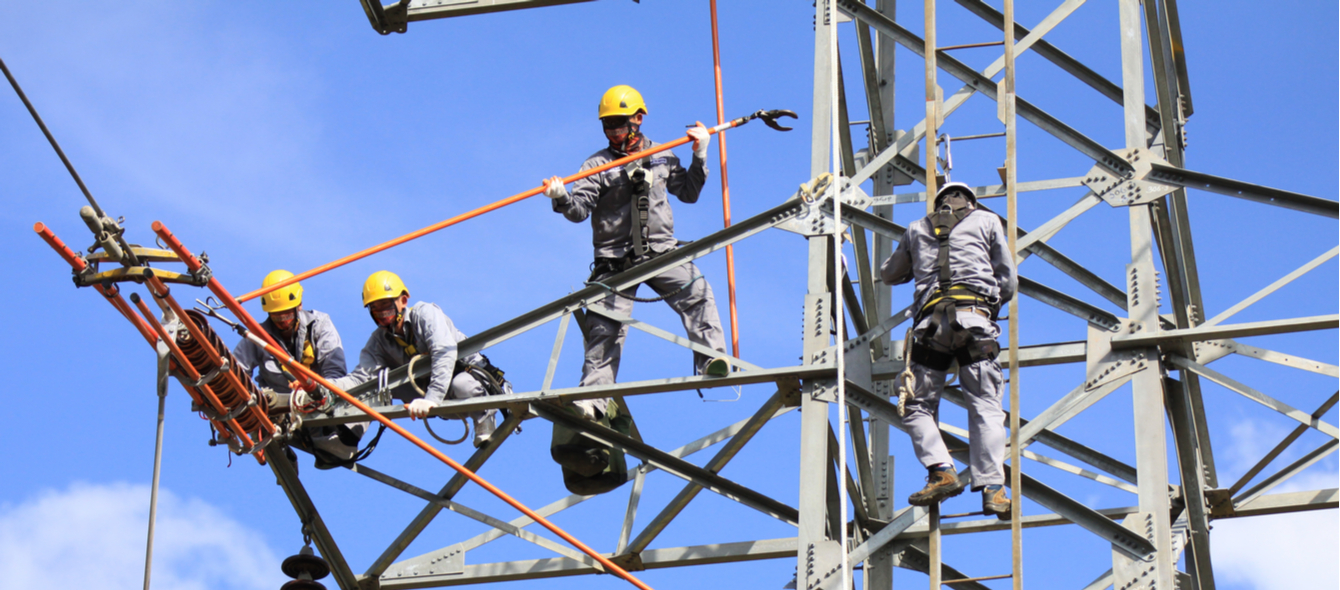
{"points": [[287, 475], [671, 464], [769, 218], [1043, 293], [448, 491], [451, 407], [1071, 65], [715, 465], [981, 83], [488, 573], [644, 469], [1121, 538]]}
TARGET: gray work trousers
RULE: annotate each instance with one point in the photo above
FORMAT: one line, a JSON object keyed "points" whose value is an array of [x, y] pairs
{"points": [[463, 386], [982, 385], [604, 337]]}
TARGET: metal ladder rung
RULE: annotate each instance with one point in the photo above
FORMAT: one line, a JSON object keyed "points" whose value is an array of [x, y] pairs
{"points": [[981, 579], [964, 514]]}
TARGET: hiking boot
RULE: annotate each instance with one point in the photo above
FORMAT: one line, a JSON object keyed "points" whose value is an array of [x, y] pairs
{"points": [[484, 429], [717, 367], [940, 484], [996, 502]]}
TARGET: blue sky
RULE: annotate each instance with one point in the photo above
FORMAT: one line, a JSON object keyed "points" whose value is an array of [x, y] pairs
{"points": [[289, 135]]}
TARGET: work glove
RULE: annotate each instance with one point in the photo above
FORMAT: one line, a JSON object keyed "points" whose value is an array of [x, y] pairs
{"points": [[701, 138], [419, 408], [554, 189]]}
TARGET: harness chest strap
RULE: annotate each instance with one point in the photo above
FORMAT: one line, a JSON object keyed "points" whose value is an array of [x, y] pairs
{"points": [[637, 174]]}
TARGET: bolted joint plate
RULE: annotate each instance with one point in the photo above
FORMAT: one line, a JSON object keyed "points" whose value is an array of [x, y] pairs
{"points": [[822, 566], [1135, 574], [1123, 191], [1104, 365], [443, 562]]}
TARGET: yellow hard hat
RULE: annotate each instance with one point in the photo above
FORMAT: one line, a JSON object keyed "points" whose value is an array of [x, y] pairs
{"points": [[383, 284], [621, 101], [282, 299]]}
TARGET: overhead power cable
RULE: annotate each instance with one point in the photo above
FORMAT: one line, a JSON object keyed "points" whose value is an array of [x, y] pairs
{"points": [[51, 138]]}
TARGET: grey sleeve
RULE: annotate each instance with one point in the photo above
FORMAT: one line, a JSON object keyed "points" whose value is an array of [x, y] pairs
{"points": [[369, 362], [898, 268], [438, 335], [1002, 263], [248, 356], [329, 350], [583, 196], [684, 184]]}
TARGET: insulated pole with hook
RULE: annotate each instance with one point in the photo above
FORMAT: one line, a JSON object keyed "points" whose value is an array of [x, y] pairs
{"points": [[769, 118]]}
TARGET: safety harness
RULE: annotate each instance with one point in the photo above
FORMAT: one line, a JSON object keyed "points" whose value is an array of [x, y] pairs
{"points": [[944, 304], [639, 174], [303, 335], [485, 372]]}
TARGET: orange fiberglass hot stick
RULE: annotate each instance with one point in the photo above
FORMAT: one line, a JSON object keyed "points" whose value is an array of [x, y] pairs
{"points": [[725, 186], [769, 118], [253, 328], [299, 367]]}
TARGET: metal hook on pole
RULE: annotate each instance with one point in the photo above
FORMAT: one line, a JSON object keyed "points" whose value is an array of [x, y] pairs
{"points": [[769, 118]]}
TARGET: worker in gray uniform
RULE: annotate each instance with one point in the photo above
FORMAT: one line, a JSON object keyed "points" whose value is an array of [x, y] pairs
{"points": [[405, 331], [310, 338], [960, 261], [631, 222]]}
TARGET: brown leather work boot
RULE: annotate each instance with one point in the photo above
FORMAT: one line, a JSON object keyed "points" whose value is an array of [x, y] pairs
{"points": [[996, 502], [940, 484]]}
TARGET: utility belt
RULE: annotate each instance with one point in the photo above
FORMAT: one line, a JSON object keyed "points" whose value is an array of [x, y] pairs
{"points": [[607, 267], [488, 375], [960, 298], [964, 346]]}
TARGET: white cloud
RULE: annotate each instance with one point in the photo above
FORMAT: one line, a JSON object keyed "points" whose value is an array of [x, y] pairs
{"points": [[1285, 551], [93, 536]]}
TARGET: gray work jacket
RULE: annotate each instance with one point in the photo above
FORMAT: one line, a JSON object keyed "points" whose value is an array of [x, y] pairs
{"points": [[431, 333], [607, 198], [314, 327], [979, 258]]}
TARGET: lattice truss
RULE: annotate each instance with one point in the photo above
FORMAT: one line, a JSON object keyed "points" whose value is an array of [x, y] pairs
{"points": [[1164, 349]]}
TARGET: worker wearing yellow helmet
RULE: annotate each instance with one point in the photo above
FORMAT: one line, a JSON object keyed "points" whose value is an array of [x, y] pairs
{"points": [[310, 337], [631, 223], [405, 331]]}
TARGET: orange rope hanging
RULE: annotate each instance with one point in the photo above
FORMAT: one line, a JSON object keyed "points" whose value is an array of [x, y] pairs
{"points": [[725, 185]]}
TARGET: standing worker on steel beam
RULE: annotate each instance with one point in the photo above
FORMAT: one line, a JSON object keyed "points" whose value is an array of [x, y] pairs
{"points": [[964, 272], [310, 337], [631, 223], [405, 331]]}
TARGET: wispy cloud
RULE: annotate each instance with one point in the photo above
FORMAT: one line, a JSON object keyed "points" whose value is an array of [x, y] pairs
{"points": [[92, 535], [1281, 551]]}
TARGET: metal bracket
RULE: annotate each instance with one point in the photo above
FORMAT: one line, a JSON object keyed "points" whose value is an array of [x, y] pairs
{"points": [[1220, 503], [1129, 573], [1132, 189], [1208, 351], [1104, 365], [443, 562], [824, 390], [822, 564]]}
